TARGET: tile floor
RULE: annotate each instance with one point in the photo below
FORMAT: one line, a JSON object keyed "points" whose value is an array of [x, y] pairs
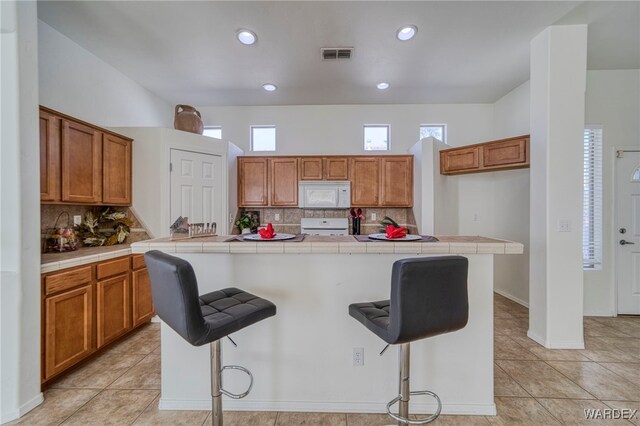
{"points": [[533, 385]]}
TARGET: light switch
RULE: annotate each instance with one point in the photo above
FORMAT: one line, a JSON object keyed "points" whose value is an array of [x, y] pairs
{"points": [[277, 217], [374, 216], [77, 220]]}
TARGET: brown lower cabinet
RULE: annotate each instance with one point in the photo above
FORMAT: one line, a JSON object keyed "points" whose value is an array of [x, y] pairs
{"points": [[88, 307]]}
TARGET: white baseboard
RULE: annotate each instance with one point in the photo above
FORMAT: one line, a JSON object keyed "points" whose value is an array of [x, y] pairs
{"points": [[568, 344], [511, 297], [599, 314], [324, 407], [23, 409]]}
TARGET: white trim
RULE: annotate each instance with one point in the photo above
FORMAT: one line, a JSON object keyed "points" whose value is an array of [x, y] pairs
{"points": [[323, 407], [23, 409], [569, 344], [599, 314], [511, 297]]}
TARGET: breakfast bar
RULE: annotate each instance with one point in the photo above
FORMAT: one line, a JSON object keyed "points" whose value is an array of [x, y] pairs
{"points": [[302, 359]]}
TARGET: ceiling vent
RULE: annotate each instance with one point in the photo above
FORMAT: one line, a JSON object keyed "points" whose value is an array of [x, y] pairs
{"points": [[335, 53]]}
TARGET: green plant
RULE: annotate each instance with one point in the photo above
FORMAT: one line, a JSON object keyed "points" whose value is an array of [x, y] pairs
{"points": [[386, 222], [246, 221]]}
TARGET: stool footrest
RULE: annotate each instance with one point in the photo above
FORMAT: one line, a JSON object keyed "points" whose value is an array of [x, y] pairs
{"points": [[421, 421], [244, 370]]}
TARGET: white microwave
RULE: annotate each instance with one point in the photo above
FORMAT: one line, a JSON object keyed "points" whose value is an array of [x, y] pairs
{"points": [[324, 194]]}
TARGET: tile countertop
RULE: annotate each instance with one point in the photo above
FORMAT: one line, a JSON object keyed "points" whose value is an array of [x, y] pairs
{"points": [[333, 244], [50, 262]]}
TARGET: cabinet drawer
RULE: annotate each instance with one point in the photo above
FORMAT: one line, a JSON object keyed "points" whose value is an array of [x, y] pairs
{"points": [[66, 280], [137, 261], [112, 267]]}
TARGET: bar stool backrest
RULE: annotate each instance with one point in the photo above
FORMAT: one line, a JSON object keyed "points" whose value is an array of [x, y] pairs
{"points": [[428, 297], [175, 294]]}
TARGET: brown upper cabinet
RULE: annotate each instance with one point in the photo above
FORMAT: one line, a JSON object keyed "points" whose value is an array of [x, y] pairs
{"points": [[283, 182], [365, 181], [81, 163], [310, 168], [504, 154], [253, 178], [323, 168], [336, 168], [396, 189], [49, 157], [383, 180], [116, 170]]}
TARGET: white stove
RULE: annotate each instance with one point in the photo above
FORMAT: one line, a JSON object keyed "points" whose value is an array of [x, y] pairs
{"points": [[324, 226]]}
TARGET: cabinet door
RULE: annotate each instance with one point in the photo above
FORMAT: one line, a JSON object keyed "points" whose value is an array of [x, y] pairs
{"points": [[112, 308], [68, 329], [397, 182], [310, 168], [505, 153], [141, 300], [459, 160], [365, 181], [81, 163], [252, 182], [284, 182], [336, 168], [116, 170], [49, 157]]}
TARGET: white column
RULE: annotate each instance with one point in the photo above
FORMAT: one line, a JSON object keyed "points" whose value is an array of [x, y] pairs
{"points": [[19, 211], [558, 81]]}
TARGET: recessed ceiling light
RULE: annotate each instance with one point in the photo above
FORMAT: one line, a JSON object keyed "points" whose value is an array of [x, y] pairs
{"points": [[383, 85], [407, 32], [269, 87], [247, 37]]}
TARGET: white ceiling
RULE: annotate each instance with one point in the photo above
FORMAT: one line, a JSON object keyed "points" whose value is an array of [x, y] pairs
{"points": [[464, 52]]}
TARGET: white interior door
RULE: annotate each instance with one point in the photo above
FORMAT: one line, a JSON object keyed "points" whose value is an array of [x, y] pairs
{"points": [[628, 233], [196, 187]]}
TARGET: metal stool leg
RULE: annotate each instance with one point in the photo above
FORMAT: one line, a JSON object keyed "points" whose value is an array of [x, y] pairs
{"points": [[404, 391], [216, 384]]}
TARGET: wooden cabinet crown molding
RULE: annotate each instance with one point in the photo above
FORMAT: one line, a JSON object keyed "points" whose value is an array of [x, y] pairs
{"points": [[503, 154]]}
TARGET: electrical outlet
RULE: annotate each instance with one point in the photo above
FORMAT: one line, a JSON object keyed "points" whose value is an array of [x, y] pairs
{"points": [[77, 219], [277, 217], [564, 225], [374, 216], [476, 217], [358, 357]]}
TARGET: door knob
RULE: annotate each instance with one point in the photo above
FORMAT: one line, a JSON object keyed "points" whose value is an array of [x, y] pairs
{"points": [[624, 243], [623, 230]]}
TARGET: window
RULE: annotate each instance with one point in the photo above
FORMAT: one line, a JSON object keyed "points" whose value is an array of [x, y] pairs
{"points": [[592, 199], [438, 131], [213, 132], [263, 138], [376, 137]]}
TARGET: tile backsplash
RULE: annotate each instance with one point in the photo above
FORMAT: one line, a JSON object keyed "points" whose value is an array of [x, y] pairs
{"points": [[49, 214], [290, 218]]}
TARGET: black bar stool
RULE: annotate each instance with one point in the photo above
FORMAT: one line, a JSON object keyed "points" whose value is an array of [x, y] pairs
{"points": [[428, 298], [203, 319]]}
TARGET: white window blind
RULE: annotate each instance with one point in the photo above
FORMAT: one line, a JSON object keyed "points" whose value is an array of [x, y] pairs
{"points": [[592, 199]]}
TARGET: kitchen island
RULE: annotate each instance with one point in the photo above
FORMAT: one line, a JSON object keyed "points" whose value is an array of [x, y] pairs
{"points": [[302, 359]]}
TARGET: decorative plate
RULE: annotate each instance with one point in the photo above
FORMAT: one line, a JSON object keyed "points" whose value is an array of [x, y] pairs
{"points": [[257, 237], [409, 237]]}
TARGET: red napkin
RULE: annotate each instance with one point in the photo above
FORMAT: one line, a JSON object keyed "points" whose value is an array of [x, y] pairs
{"points": [[267, 233], [393, 232]]}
